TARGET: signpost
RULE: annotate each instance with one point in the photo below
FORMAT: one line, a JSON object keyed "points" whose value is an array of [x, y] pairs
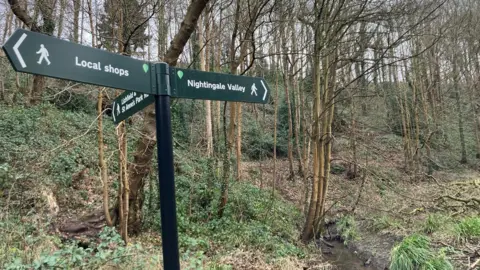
{"points": [[146, 82]]}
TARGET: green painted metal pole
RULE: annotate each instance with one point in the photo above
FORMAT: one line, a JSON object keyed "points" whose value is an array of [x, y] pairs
{"points": [[166, 185], [166, 177]]}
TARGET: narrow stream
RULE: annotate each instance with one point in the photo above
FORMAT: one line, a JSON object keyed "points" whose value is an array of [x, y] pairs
{"points": [[343, 258]]}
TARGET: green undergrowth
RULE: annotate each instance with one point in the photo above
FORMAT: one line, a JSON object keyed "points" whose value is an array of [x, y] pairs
{"points": [[468, 229], [43, 146], [252, 219], [38, 250], [415, 252], [48, 144]]}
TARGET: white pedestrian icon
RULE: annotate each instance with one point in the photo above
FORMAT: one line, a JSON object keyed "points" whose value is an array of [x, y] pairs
{"points": [[254, 90], [43, 55]]}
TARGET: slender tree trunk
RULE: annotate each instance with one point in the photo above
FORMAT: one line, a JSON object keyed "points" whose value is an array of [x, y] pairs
{"points": [[61, 17], [239, 140], [162, 31], [8, 23], [102, 163], [458, 103], [275, 124], [203, 66], [90, 18], [76, 17], [308, 232], [286, 85]]}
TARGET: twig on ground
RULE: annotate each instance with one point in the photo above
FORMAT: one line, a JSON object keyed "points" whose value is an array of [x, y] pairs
{"points": [[474, 264]]}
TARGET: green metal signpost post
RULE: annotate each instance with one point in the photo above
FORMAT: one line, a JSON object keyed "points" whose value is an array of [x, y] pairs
{"points": [[146, 82]]}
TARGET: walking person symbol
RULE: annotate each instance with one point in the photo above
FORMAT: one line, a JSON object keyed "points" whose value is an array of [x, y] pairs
{"points": [[43, 55], [254, 90]]}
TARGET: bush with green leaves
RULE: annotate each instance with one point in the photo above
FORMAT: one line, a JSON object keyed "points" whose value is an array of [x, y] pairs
{"points": [[416, 253]]}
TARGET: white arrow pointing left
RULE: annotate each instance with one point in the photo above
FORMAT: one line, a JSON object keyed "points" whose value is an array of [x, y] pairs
{"points": [[17, 52], [266, 90]]}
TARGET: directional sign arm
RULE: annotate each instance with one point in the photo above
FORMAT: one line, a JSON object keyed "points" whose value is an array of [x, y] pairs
{"points": [[39, 54], [194, 84]]}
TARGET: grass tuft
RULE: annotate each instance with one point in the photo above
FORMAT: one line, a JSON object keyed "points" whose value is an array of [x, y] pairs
{"points": [[415, 252], [433, 223], [385, 222], [348, 229], [468, 229]]}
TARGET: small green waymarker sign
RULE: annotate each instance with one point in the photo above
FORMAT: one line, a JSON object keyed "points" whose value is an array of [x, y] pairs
{"points": [[40, 54], [194, 84], [129, 103]]}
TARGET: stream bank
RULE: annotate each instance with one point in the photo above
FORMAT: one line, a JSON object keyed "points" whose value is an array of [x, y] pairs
{"points": [[370, 252]]}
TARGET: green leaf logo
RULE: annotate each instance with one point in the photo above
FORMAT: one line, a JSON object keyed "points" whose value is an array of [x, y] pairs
{"points": [[180, 74], [145, 68]]}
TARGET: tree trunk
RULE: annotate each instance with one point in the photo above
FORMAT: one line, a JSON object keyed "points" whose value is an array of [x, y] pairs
{"points": [[162, 31], [286, 85], [102, 163], [308, 232], [76, 17], [90, 18], [61, 17], [8, 24], [456, 79], [203, 66]]}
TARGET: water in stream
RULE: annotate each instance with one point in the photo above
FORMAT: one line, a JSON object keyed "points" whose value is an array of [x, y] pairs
{"points": [[344, 259]]}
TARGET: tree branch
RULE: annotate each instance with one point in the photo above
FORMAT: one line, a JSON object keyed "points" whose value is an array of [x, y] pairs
{"points": [[23, 15]]}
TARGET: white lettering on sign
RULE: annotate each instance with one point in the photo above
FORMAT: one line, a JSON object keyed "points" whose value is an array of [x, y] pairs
{"points": [[98, 66], [127, 98], [215, 86], [132, 99], [236, 87]]}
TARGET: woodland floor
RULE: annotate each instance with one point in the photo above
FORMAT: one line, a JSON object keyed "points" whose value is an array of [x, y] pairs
{"points": [[392, 203]]}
